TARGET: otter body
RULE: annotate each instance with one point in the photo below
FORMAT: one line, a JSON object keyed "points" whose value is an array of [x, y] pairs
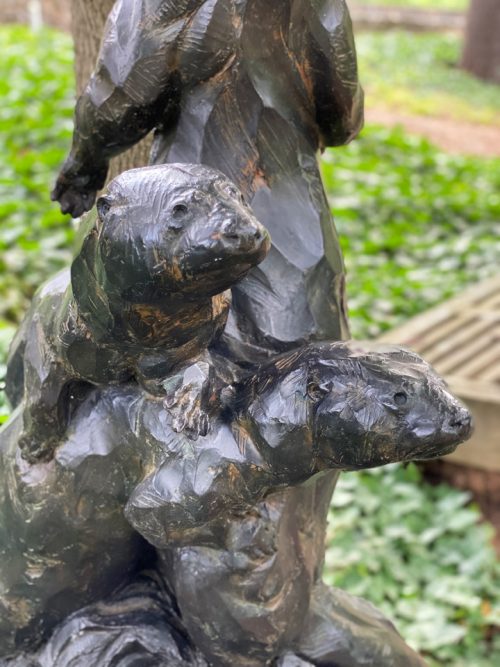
{"points": [[253, 88], [147, 292], [328, 406], [213, 508]]}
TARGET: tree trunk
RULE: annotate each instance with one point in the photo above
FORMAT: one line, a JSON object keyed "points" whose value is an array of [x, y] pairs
{"points": [[481, 55], [87, 22]]}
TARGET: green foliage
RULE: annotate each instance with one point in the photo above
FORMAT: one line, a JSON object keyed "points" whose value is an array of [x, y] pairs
{"points": [[418, 553], [6, 333], [450, 5], [418, 73], [37, 91], [416, 224]]}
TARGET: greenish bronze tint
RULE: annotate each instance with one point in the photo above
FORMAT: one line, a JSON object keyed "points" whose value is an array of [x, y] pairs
{"points": [[214, 510], [147, 294]]}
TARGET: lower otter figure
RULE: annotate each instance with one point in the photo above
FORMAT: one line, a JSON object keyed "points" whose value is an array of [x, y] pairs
{"points": [[147, 293], [213, 511], [347, 405], [344, 406]]}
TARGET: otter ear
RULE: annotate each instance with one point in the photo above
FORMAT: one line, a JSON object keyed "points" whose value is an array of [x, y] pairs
{"points": [[103, 205]]}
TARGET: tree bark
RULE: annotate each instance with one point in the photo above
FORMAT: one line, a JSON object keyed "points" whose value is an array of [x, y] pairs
{"points": [[481, 55], [87, 22]]}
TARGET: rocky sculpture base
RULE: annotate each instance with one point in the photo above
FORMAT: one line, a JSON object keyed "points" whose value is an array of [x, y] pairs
{"points": [[140, 626]]}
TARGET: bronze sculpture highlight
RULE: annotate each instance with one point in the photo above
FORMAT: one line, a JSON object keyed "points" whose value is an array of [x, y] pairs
{"points": [[197, 546], [251, 88]]}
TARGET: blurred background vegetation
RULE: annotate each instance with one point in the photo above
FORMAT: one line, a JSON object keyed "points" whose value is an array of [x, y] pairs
{"points": [[454, 5], [417, 224]]}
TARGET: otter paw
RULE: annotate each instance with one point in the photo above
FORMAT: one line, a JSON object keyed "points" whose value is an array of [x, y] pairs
{"points": [[36, 450], [188, 415]]}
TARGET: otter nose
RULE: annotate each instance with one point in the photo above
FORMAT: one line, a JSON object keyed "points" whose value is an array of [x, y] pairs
{"points": [[462, 421], [241, 234]]}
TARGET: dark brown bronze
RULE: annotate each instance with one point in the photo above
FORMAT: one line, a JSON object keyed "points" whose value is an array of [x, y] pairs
{"points": [[147, 293], [134, 534], [213, 509], [253, 88]]}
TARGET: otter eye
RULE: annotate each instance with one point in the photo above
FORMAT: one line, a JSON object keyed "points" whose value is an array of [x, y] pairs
{"points": [[103, 205], [315, 392], [179, 210], [400, 398], [233, 192]]}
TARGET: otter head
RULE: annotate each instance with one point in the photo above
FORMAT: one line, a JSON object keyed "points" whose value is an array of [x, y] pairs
{"points": [[353, 406], [173, 230]]}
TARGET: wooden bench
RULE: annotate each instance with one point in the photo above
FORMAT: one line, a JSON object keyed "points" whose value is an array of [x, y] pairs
{"points": [[461, 339]]}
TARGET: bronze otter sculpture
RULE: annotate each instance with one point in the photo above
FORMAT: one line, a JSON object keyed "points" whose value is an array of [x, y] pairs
{"points": [[148, 292], [254, 88], [204, 504], [250, 87]]}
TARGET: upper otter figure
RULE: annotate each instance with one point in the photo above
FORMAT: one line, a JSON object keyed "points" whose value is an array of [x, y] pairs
{"points": [[253, 88], [147, 293]]}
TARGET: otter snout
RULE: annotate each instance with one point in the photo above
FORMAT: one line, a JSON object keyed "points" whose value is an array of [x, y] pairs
{"points": [[460, 423], [239, 236], [242, 235], [229, 243]]}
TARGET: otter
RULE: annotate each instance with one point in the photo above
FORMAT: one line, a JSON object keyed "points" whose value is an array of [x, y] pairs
{"points": [[147, 292], [210, 507], [327, 406], [253, 88]]}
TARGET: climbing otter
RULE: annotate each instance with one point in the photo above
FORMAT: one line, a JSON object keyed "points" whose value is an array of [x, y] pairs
{"points": [[147, 293], [210, 506], [253, 88]]}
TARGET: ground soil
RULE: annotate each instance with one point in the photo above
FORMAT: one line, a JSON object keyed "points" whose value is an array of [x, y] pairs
{"points": [[450, 135], [409, 18]]}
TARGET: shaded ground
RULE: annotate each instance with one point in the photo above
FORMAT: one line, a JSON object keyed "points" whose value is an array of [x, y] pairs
{"points": [[411, 18], [450, 135], [55, 13]]}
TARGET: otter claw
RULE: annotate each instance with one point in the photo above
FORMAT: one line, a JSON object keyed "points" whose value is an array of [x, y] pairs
{"points": [[187, 414], [193, 427], [33, 451]]}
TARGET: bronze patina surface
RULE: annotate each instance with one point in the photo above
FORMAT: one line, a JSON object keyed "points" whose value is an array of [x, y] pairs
{"points": [[147, 292], [212, 508]]}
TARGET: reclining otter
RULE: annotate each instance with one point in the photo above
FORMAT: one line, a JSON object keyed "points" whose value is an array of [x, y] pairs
{"points": [[147, 293]]}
